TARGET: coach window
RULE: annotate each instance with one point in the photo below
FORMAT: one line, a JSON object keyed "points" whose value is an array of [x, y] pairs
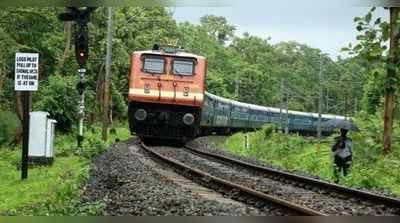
{"points": [[153, 65], [183, 67]]}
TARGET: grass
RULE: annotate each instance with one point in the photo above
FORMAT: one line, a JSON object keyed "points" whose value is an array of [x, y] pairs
{"points": [[56, 189], [42, 183], [292, 153]]}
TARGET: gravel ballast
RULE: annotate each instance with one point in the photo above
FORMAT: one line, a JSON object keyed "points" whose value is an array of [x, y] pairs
{"points": [[128, 185]]}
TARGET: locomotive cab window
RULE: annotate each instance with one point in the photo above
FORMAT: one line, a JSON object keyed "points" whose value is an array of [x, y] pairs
{"points": [[183, 67], [153, 65]]}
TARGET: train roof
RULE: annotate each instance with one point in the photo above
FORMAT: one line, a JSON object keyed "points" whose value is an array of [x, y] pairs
{"points": [[272, 109], [177, 54], [222, 99]]}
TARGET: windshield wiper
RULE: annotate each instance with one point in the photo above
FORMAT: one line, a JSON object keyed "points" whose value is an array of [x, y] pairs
{"points": [[179, 73]]}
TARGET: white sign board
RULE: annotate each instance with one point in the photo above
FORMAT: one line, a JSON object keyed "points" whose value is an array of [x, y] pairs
{"points": [[26, 71]]}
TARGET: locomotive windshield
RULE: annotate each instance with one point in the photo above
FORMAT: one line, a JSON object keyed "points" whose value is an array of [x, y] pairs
{"points": [[153, 65], [183, 67]]}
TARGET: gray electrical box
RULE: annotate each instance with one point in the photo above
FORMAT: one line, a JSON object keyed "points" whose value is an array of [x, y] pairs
{"points": [[41, 138]]}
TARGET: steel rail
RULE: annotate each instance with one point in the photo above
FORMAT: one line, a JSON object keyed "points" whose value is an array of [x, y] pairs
{"points": [[246, 190], [301, 179]]}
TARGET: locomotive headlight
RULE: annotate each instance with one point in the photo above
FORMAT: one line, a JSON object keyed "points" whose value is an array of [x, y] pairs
{"points": [[141, 114], [186, 91], [188, 119], [147, 88]]}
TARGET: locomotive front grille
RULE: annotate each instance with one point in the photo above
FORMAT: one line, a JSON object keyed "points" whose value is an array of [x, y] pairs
{"points": [[163, 121]]}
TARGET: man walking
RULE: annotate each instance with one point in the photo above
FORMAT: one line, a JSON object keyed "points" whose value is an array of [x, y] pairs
{"points": [[342, 151]]}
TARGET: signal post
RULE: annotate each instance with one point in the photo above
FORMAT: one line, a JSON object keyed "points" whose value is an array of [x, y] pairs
{"points": [[81, 18]]}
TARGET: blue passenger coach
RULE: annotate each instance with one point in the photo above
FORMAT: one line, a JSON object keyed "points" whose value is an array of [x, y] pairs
{"points": [[222, 115]]}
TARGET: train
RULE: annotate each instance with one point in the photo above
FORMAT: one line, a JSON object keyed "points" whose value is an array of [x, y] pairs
{"points": [[168, 100]]}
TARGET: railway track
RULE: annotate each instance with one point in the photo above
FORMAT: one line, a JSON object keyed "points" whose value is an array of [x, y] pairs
{"points": [[252, 196], [315, 196], [299, 179], [365, 203]]}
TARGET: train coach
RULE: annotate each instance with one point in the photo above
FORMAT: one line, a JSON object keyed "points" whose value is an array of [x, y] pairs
{"points": [[223, 115], [167, 100]]}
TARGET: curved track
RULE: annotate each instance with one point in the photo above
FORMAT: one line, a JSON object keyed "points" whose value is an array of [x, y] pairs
{"points": [[376, 204], [293, 208]]}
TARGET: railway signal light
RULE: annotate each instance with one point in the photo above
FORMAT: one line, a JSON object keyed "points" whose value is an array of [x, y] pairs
{"points": [[81, 18], [81, 44]]}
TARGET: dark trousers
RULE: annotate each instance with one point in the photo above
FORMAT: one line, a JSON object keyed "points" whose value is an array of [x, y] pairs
{"points": [[341, 164]]}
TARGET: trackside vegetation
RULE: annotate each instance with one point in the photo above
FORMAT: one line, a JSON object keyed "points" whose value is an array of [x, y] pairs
{"points": [[370, 170], [241, 66], [56, 189]]}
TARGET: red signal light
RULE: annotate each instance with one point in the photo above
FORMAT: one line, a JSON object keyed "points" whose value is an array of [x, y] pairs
{"points": [[81, 56], [81, 44]]}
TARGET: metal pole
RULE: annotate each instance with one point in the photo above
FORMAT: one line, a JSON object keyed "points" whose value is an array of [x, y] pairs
{"points": [[355, 105], [25, 131], [237, 83], [287, 114], [280, 106], [106, 99], [81, 113], [320, 99], [327, 101], [246, 141], [345, 107]]}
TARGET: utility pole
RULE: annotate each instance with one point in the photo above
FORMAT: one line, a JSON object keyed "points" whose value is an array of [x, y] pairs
{"points": [[346, 109], [320, 97], [355, 106], [106, 93], [390, 88], [237, 83], [284, 96], [280, 106], [327, 101], [287, 114]]}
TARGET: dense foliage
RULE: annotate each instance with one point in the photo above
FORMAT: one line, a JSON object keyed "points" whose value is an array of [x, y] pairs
{"points": [[243, 67], [9, 125], [248, 65]]}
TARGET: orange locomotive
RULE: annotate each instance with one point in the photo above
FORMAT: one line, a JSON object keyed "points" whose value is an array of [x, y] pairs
{"points": [[167, 100], [166, 93]]}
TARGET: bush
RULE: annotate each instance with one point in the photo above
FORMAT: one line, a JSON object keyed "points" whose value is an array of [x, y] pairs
{"points": [[93, 145], [66, 144], [9, 124], [119, 107], [60, 98], [268, 130]]}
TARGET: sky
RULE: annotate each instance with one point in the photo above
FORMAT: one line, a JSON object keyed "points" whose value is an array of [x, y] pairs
{"points": [[327, 27]]}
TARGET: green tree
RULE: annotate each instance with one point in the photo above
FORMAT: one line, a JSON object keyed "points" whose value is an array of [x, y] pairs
{"points": [[217, 27], [372, 46]]}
